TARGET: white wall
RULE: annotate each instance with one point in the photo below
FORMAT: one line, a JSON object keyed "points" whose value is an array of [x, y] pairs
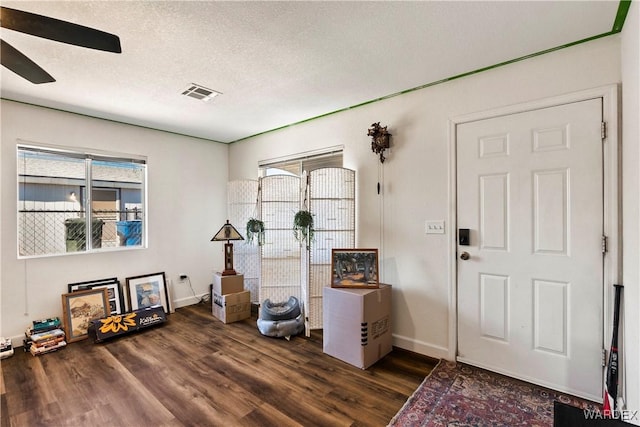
{"points": [[186, 201], [631, 206], [187, 188], [417, 169]]}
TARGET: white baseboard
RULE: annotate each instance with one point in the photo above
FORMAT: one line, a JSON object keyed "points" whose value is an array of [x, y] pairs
{"points": [[420, 347], [16, 341], [183, 302]]}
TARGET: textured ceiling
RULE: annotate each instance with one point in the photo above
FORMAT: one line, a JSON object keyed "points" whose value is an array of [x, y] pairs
{"points": [[278, 63]]}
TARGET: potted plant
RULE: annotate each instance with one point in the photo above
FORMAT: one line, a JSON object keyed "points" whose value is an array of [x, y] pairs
{"points": [[255, 231], [303, 227]]}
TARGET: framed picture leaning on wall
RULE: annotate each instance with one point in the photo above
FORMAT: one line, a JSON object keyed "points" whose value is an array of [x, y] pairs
{"points": [[149, 290], [80, 308], [116, 300]]}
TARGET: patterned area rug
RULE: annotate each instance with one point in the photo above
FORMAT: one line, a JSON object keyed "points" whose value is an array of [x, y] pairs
{"points": [[455, 394]]}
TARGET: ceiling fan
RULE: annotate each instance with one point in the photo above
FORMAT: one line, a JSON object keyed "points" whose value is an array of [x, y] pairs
{"points": [[52, 29]]}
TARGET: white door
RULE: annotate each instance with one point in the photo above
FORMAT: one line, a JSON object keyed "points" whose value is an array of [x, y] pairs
{"points": [[530, 190]]}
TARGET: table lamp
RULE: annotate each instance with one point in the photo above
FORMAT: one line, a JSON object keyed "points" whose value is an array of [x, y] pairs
{"points": [[228, 233]]}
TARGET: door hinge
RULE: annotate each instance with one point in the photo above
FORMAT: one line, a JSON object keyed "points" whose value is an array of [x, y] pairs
{"points": [[604, 244], [603, 130], [604, 357]]}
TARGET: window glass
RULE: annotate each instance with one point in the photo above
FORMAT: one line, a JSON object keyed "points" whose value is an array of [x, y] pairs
{"points": [[300, 164], [63, 197]]}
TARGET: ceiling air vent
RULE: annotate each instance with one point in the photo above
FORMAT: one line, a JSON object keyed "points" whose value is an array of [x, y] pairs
{"points": [[200, 92]]}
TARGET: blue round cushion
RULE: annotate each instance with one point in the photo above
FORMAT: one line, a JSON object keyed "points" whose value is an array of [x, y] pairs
{"points": [[289, 309], [281, 328]]}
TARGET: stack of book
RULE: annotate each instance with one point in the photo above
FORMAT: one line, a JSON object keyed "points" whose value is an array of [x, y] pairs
{"points": [[6, 349], [44, 336]]}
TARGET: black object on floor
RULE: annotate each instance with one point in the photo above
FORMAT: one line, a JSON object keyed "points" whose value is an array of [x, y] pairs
{"points": [[569, 416]]}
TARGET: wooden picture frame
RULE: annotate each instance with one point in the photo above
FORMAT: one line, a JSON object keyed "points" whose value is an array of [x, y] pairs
{"points": [[80, 308], [149, 290], [354, 268], [114, 289]]}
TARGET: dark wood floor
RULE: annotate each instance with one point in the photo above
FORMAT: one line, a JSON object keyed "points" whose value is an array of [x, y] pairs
{"points": [[196, 371]]}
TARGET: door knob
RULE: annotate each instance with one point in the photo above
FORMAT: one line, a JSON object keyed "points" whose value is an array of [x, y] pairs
{"points": [[465, 256]]}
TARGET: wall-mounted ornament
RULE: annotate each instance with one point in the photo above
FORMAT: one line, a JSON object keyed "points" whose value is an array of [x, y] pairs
{"points": [[379, 139]]}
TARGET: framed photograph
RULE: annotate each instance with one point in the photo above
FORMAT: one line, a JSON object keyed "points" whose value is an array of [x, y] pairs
{"points": [[80, 308], [116, 299], [354, 268], [78, 286], [149, 290]]}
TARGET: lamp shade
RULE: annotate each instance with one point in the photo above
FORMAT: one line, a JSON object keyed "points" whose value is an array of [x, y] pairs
{"points": [[227, 232]]}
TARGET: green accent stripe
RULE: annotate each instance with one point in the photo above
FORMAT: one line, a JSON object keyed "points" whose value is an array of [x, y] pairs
{"points": [[458, 76], [623, 9], [621, 15]]}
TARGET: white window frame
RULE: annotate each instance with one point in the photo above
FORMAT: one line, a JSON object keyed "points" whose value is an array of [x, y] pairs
{"points": [[300, 162], [89, 156]]}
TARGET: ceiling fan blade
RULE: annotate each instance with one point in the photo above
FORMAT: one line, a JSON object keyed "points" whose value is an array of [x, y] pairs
{"points": [[61, 31], [14, 60]]}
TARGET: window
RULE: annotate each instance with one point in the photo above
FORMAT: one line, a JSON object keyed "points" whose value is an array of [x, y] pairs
{"points": [[301, 163], [65, 196]]}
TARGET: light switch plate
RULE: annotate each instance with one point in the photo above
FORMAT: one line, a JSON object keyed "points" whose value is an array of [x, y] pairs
{"points": [[434, 227]]}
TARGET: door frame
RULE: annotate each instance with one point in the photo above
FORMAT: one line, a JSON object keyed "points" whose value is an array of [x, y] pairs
{"points": [[611, 197]]}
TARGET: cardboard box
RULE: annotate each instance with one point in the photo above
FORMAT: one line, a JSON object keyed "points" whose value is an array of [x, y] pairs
{"points": [[357, 324], [231, 307], [223, 285]]}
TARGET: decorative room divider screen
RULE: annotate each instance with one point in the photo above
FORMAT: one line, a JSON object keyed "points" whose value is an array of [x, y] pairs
{"points": [[280, 256], [332, 199], [282, 266], [241, 205]]}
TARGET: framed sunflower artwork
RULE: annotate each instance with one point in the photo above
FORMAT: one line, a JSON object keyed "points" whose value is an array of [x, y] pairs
{"points": [[115, 325], [122, 324]]}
